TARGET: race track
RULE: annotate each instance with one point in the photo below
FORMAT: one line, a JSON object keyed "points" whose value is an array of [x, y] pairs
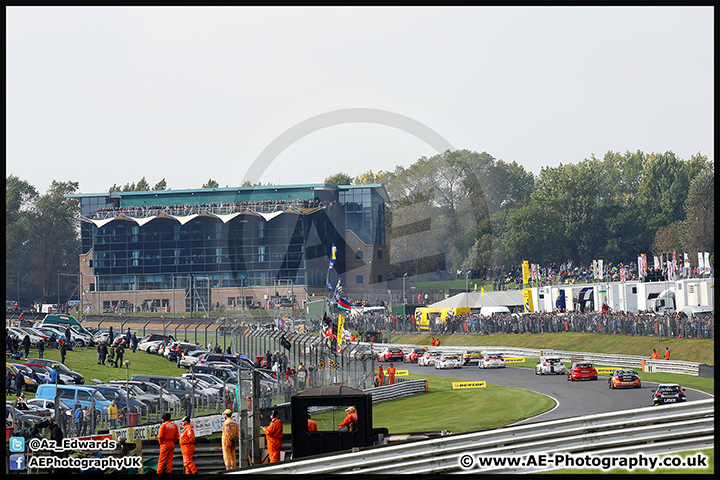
{"points": [[574, 398]]}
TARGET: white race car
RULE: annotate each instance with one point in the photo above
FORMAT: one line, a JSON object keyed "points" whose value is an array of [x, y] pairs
{"points": [[549, 365], [448, 360], [492, 360], [428, 359]]}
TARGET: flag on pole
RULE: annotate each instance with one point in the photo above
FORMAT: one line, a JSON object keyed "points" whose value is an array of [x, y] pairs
{"points": [[482, 291], [686, 264], [533, 272], [341, 326], [333, 256], [342, 303]]}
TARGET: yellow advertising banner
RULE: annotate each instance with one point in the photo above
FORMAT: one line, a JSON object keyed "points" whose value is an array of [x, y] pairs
{"points": [[457, 385], [341, 325], [607, 370], [402, 373], [515, 360], [527, 300], [526, 272]]}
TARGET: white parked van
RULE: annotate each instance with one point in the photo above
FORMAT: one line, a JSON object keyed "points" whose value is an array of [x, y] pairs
{"points": [[490, 311]]}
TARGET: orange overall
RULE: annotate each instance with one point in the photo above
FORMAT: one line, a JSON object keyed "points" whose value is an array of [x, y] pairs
{"points": [[167, 436], [229, 433], [380, 375], [391, 374], [187, 447], [273, 436]]}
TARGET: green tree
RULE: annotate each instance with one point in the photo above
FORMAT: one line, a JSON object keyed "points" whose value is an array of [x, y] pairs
{"points": [[19, 199], [340, 178], [161, 185], [54, 238], [210, 184]]}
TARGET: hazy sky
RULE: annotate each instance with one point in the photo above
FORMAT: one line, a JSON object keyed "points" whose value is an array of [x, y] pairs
{"points": [[110, 95]]}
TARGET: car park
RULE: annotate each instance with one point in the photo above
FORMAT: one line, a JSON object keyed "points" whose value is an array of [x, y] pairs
{"points": [[668, 393], [43, 371], [78, 378], [116, 393], [177, 385], [191, 357], [469, 356], [549, 365], [78, 338], [144, 342], [21, 418], [391, 354], [413, 355], [11, 370], [221, 357], [49, 405], [34, 339], [428, 359], [492, 360], [448, 360], [582, 371], [223, 372], [72, 394], [155, 391], [35, 332]]}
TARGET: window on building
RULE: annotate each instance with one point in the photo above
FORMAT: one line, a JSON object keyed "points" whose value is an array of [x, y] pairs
{"points": [[359, 255], [358, 279], [379, 254]]}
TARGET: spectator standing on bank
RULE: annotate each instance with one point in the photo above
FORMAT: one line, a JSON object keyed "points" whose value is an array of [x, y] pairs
{"points": [[41, 348], [134, 341], [110, 335], [119, 352], [68, 335], [26, 345], [63, 351], [19, 382]]}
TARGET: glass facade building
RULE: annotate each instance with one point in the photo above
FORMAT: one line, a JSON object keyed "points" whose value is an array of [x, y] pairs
{"points": [[227, 238]]}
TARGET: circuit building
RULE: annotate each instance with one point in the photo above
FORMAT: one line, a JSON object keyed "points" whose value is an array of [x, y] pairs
{"points": [[230, 248]]}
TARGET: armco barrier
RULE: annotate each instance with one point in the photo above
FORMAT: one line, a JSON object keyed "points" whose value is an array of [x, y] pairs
{"points": [[651, 430]]}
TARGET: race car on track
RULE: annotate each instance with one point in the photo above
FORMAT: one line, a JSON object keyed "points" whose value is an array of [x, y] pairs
{"points": [[549, 365], [428, 359], [668, 393], [413, 355], [391, 354], [471, 356], [448, 360], [582, 371], [492, 360], [623, 377]]}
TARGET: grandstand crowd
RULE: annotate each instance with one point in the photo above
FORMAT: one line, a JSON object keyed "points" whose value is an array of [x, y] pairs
{"points": [[216, 208], [676, 325]]}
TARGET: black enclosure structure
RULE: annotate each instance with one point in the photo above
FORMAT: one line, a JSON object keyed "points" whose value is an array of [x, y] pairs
{"points": [[327, 406]]}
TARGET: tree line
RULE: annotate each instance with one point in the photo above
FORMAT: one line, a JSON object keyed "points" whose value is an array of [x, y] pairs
{"points": [[460, 209]]}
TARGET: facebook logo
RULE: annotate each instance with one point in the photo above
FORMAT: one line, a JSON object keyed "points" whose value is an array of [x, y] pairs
{"points": [[17, 462], [17, 444]]}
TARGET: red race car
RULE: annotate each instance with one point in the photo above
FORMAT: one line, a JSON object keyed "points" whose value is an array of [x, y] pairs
{"points": [[391, 354], [582, 371], [414, 354]]}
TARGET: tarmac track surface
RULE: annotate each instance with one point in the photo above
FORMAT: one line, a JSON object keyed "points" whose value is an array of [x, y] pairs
{"points": [[577, 398]]}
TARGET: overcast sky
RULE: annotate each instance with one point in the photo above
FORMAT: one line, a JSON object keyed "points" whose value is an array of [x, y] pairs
{"points": [[107, 96]]}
